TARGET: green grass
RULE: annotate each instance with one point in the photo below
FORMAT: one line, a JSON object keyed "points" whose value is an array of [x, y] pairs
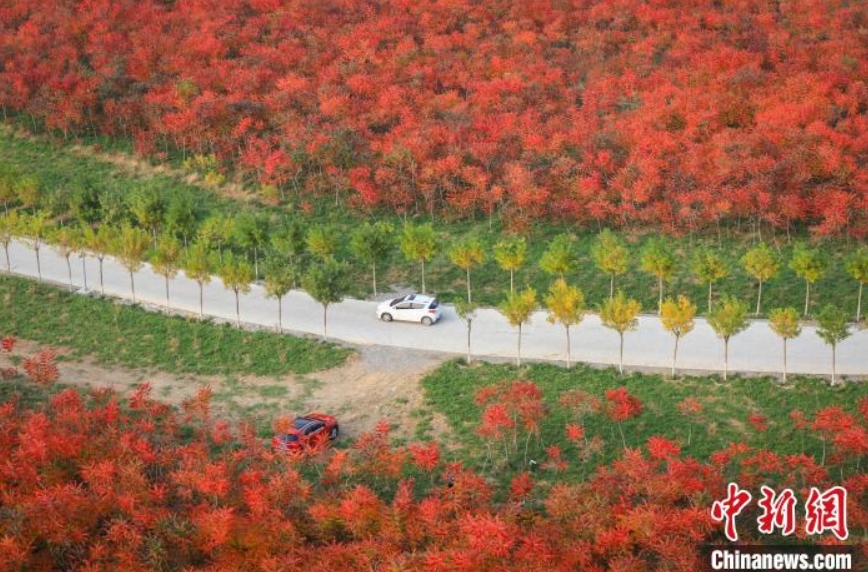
{"points": [[452, 388], [59, 169], [129, 336]]}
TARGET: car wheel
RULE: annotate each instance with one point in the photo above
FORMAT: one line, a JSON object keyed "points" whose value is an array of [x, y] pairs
{"points": [[334, 434], [386, 317], [426, 321]]}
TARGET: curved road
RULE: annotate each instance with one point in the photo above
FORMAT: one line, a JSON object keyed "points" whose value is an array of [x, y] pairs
{"points": [[757, 349]]}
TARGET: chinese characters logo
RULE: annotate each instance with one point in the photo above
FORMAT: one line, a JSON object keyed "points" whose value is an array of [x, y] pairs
{"points": [[824, 511]]}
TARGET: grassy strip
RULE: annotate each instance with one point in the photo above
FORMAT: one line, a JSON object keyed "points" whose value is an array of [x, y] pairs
{"points": [[726, 406], [117, 334], [60, 169]]}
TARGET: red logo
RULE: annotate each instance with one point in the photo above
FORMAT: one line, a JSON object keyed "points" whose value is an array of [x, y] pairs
{"points": [[824, 511]]}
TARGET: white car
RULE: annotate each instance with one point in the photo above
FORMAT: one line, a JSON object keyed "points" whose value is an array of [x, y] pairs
{"points": [[410, 308]]}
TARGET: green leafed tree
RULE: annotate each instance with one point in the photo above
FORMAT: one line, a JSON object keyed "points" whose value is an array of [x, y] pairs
{"points": [[99, 242], [34, 229], [611, 256], [289, 239], [833, 328], [8, 179], [28, 192], [785, 323], [323, 240], [9, 229], [279, 279], [466, 254], [166, 260], [658, 260], [677, 317], [621, 314], [467, 312], [809, 264], [130, 246], [559, 259], [727, 319], [510, 253], [180, 218], [217, 232], [251, 234], [517, 308], [327, 283], [148, 208], [709, 268], [566, 306], [197, 266], [763, 264], [236, 273], [419, 244], [373, 244], [857, 268]]}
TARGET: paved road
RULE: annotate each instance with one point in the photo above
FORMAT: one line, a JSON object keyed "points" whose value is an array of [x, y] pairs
{"points": [[757, 349]]}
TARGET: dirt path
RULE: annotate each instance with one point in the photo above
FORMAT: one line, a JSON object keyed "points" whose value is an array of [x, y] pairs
{"points": [[377, 383]]}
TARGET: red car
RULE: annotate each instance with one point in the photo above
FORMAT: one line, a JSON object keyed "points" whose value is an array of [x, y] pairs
{"points": [[309, 433]]}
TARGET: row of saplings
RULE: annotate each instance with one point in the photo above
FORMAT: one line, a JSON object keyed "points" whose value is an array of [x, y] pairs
{"points": [[328, 280]]}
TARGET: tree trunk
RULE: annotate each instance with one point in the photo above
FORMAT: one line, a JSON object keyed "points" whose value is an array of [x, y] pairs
{"points": [[167, 291], [511, 280], [69, 272], [569, 357], [280, 314], [725, 358], [621, 354], [101, 284], [612, 286], [518, 354], [325, 328], [84, 272], [660, 295], [468, 340], [833, 364], [423, 275], [858, 303], [709, 297], [256, 262], [201, 301], [468, 285], [759, 297], [38, 265], [8, 262], [785, 360], [133, 286], [238, 309], [674, 356], [374, 279], [807, 296]]}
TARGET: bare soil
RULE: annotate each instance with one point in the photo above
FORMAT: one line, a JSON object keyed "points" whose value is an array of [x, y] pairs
{"points": [[376, 383]]}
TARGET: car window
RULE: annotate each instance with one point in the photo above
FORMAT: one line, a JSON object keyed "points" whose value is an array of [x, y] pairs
{"points": [[417, 305], [313, 427], [434, 304], [403, 306]]}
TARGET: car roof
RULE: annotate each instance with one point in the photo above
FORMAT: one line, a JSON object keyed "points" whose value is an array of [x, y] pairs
{"points": [[424, 298]]}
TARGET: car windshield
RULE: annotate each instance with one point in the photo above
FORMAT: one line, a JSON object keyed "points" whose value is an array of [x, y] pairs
{"points": [[301, 422]]}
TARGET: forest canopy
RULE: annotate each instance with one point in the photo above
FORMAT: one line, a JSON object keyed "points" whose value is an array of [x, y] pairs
{"points": [[678, 114]]}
